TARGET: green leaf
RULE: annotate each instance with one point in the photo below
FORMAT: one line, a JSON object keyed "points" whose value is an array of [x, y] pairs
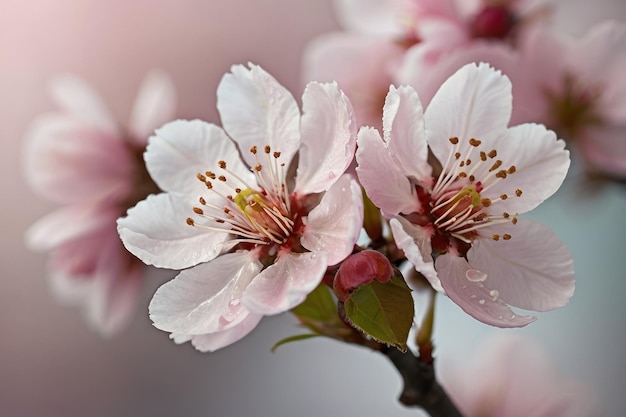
{"points": [[384, 311], [293, 339], [372, 221], [319, 306]]}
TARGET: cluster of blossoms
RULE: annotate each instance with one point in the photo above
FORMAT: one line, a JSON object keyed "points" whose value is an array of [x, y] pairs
{"points": [[81, 158], [574, 87]]}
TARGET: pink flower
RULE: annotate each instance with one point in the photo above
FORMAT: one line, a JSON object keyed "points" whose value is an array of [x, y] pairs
{"points": [[456, 218], [512, 377], [578, 89], [257, 224], [79, 157]]}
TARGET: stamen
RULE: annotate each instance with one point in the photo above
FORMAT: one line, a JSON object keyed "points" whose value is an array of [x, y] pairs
{"points": [[506, 236], [190, 221], [518, 192], [198, 210], [475, 142]]}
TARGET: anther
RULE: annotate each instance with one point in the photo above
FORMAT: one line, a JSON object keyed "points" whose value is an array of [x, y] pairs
{"points": [[512, 169], [485, 202], [495, 165], [472, 178], [210, 174], [221, 164], [454, 140], [496, 237], [190, 221], [469, 161], [506, 215], [198, 210], [492, 153], [506, 236], [209, 185], [258, 167], [483, 156], [276, 155], [253, 149], [462, 164], [457, 155], [202, 201], [501, 174], [462, 174], [201, 177], [518, 192], [267, 149], [222, 178], [503, 197], [237, 190], [514, 220], [475, 142]]}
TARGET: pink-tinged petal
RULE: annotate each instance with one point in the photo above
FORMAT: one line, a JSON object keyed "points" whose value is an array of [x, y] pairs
{"points": [[156, 231], [69, 223], [333, 226], [328, 138], [69, 162], [205, 298], [80, 101], [613, 98], [533, 270], [415, 242], [371, 17], [286, 283], [116, 287], [403, 129], [257, 111], [214, 341], [154, 106], [381, 176], [595, 54], [474, 297], [541, 163], [361, 66], [475, 102], [604, 149], [182, 149]]}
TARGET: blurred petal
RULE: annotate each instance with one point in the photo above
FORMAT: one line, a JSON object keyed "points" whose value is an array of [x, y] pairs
{"points": [[154, 106], [214, 341], [328, 138], [334, 225], [286, 283], [371, 17], [604, 149]]}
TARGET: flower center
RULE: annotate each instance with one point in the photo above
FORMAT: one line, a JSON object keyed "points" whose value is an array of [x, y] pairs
{"points": [[493, 22], [259, 215], [458, 206], [574, 107]]}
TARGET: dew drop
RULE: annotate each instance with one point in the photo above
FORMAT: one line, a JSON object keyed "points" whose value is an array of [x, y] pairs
{"points": [[475, 275], [494, 294], [473, 296], [481, 302], [513, 316], [331, 175]]}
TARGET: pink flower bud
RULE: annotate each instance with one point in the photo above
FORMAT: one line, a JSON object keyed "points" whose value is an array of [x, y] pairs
{"points": [[360, 269]]}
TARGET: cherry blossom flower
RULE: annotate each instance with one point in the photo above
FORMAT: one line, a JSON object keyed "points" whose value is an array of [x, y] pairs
{"points": [[456, 216], [577, 88], [516, 379], [257, 209], [80, 157]]}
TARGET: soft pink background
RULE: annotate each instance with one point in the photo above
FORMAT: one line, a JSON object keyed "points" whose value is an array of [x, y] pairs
{"points": [[52, 365]]}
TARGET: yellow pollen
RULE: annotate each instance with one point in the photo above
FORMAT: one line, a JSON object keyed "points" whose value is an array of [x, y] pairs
{"points": [[454, 140], [198, 210], [475, 142], [506, 236], [496, 237], [190, 221], [485, 202]]}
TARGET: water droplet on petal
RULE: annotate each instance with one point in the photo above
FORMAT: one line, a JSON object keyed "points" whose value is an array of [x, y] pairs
{"points": [[473, 296], [331, 175], [513, 316], [475, 275], [494, 294], [481, 302]]}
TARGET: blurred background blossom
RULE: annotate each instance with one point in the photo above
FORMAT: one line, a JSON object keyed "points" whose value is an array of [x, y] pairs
{"points": [[53, 365]]}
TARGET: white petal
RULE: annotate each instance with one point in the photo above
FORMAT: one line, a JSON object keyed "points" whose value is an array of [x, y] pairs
{"points": [[475, 102], [403, 128], [205, 298], [257, 111], [182, 149], [154, 106], [475, 298], [533, 270], [286, 283], [155, 231], [214, 341], [541, 163], [79, 99], [328, 138], [381, 176], [333, 226], [416, 244]]}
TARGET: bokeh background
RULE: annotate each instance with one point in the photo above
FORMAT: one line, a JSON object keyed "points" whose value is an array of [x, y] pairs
{"points": [[52, 365]]}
